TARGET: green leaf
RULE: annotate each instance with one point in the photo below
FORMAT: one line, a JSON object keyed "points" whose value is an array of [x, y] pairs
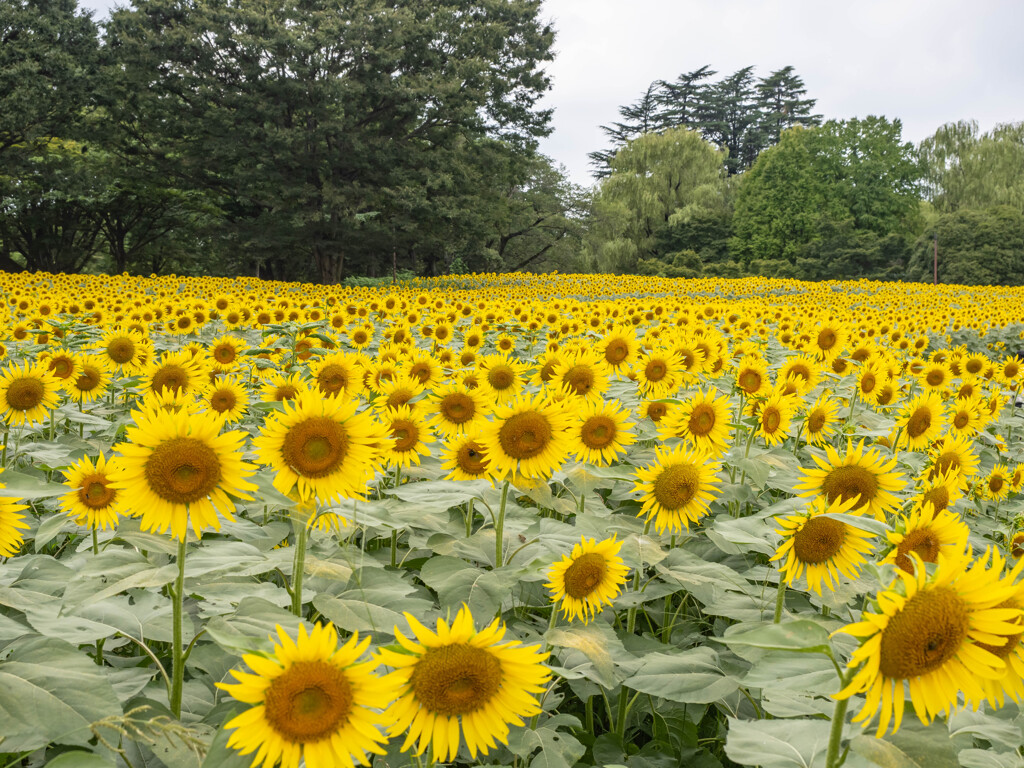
{"points": [[793, 743], [691, 677], [598, 644], [456, 582], [913, 746], [800, 636], [29, 486], [986, 758], [79, 759]]}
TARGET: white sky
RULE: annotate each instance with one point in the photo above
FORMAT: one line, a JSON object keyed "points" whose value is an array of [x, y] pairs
{"points": [[926, 62]]}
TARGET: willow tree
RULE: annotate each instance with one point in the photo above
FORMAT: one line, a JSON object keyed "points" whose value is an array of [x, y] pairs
{"points": [[655, 180]]}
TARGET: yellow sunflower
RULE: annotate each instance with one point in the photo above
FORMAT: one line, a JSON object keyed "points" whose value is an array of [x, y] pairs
{"points": [[225, 351], [12, 524], [454, 410], [927, 533], [929, 635], [399, 391], [953, 454], [178, 470], [587, 579], [530, 436], [582, 374], [128, 350], [862, 472], [92, 381], [601, 433], [803, 370], [774, 416], [702, 420], [410, 435], [752, 376], [658, 374], [618, 348], [280, 387], [1012, 651], [459, 676], [93, 501], [337, 375], [655, 410], [936, 376], [311, 702], [63, 364], [677, 488], [464, 458], [938, 492], [321, 447], [822, 546], [829, 340], [920, 421], [227, 398], [998, 483], [178, 371], [501, 377], [821, 420], [28, 392]]}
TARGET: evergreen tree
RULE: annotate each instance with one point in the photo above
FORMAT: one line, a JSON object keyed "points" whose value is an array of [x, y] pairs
{"points": [[780, 103], [684, 102], [643, 116]]}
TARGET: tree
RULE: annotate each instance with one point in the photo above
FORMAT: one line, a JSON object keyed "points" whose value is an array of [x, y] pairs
{"points": [[780, 102], [730, 117], [644, 116], [683, 102], [308, 117], [48, 60], [834, 182], [656, 179], [976, 247], [964, 168]]}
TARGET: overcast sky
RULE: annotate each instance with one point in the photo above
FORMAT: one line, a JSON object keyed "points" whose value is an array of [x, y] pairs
{"points": [[926, 62]]}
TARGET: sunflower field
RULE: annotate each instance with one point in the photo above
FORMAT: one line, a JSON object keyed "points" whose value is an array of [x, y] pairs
{"points": [[529, 521]]}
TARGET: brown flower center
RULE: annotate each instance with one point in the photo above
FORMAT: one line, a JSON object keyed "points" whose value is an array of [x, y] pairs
{"points": [[846, 482], [455, 679], [819, 540], [25, 394], [525, 435], [183, 470], [457, 407], [585, 574], [308, 702], [927, 632], [315, 447], [598, 432], [677, 485], [95, 492]]}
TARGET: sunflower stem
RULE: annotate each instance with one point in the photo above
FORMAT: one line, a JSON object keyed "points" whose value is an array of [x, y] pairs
{"points": [[177, 661], [589, 716], [835, 735], [301, 534], [95, 542], [469, 518], [780, 600], [499, 527]]}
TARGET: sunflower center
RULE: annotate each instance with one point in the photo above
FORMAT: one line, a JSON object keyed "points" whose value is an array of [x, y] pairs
{"points": [[938, 497], [455, 679], [935, 378], [525, 435], [308, 701], [470, 459], [995, 483], [95, 492], [656, 411], [25, 394], [580, 379], [171, 376], [655, 370], [501, 377], [458, 408], [89, 379], [926, 633], [224, 354], [598, 432], [223, 400], [62, 367], [771, 419], [676, 486], [919, 422], [406, 434], [867, 382], [548, 370], [922, 541], [702, 420], [616, 352], [849, 481], [961, 420], [585, 574], [332, 379], [183, 470], [315, 447], [121, 351], [285, 392], [399, 397], [819, 540], [816, 421], [750, 381], [826, 339]]}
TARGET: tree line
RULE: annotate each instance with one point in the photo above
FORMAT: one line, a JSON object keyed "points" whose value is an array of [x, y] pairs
{"points": [[327, 141]]}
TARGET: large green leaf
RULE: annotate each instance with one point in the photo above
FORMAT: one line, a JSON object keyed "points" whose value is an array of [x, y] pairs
{"points": [[794, 743], [799, 636], [693, 676]]}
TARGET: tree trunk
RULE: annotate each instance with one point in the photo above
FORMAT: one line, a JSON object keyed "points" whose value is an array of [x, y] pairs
{"points": [[330, 264]]}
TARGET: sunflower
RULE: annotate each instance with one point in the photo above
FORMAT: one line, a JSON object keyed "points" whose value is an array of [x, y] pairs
{"points": [[998, 483], [920, 421], [926, 532], [454, 410], [92, 381], [464, 458], [225, 352], [803, 370], [938, 492], [583, 374], [701, 420], [178, 469], [658, 374], [965, 416], [501, 377], [530, 436], [337, 375], [953, 454], [601, 433], [311, 702], [28, 392], [426, 369], [618, 348], [677, 488], [126, 349], [402, 390], [321, 447], [822, 546], [862, 473], [931, 635], [655, 410], [458, 676], [63, 365], [93, 501], [821, 420], [936, 376], [178, 371], [1016, 545], [227, 398], [829, 340], [871, 377], [410, 434], [774, 416], [11, 523], [361, 336], [587, 579], [752, 376], [280, 387]]}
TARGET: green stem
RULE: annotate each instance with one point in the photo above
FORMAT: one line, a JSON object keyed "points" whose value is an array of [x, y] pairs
{"points": [[177, 662], [589, 716], [469, 518], [95, 542], [301, 534], [835, 735], [623, 710], [780, 601], [394, 547], [499, 527]]}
